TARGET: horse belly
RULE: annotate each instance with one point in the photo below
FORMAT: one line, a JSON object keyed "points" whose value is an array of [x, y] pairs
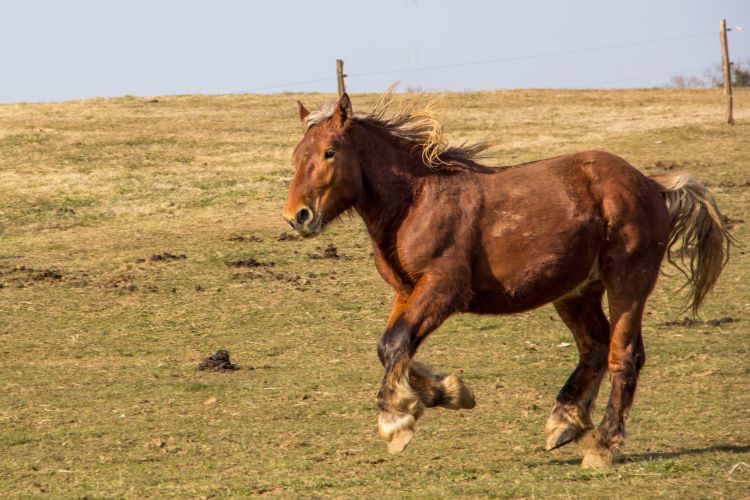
{"points": [[535, 251]]}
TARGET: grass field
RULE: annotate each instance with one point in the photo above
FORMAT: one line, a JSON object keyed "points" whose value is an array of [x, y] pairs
{"points": [[103, 321]]}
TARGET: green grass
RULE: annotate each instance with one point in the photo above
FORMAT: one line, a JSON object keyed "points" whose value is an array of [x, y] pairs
{"points": [[100, 344]]}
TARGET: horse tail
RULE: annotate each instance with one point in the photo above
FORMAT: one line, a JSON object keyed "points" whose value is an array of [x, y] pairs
{"points": [[698, 234]]}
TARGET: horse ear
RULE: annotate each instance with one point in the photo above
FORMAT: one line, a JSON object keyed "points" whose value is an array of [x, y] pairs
{"points": [[303, 112], [343, 111]]}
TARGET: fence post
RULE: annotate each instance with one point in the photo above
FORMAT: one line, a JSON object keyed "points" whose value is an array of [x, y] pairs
{"points": [[340, 76], [726, 69]]}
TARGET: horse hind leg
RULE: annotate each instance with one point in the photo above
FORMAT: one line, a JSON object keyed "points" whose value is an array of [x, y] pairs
{"points": [[626, 358], [631, 270], [571, 414]]}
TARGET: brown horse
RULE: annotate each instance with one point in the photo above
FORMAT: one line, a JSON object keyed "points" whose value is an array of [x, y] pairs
{"points": [[451, 235]]}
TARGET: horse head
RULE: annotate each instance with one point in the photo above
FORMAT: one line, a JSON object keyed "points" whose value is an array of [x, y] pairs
{"points": [[327, 178]]}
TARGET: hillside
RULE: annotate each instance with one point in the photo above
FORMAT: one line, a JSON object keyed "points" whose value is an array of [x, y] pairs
{"points": [[124, 224]]}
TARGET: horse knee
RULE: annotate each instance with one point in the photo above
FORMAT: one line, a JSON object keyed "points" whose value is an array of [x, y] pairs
{"points": [[599, 354], [381, 350], [639, 359], [395, 343]]}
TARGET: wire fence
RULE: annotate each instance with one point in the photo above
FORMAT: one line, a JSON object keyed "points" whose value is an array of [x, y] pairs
{"points": [[601, 48]]}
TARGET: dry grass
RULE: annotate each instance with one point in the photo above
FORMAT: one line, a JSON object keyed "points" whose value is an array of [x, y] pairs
{"points": [[101, 393]]}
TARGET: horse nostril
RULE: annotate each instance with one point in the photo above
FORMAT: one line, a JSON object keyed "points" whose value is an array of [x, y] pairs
{"points": [[302, 216]]}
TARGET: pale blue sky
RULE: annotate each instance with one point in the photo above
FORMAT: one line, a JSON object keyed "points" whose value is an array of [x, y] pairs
{"points": [[58, 50]]}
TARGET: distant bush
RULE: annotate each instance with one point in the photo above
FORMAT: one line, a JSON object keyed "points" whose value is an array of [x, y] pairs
{"points": [[713, 77]]}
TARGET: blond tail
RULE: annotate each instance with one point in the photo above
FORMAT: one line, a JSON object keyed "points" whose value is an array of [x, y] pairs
{"points": [[697, 231]]}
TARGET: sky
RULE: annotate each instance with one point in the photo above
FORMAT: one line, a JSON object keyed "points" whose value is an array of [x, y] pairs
{"points": [[60, 50]]}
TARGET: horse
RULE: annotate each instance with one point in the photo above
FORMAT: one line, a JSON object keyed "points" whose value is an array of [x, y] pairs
{"points": [[451, 235]]}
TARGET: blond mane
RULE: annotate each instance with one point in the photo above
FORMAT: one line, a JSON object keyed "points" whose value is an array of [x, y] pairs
{"points": [[419, 127]]}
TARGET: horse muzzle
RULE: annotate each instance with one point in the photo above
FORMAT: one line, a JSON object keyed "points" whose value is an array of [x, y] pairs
{"points": [[306, 222]]}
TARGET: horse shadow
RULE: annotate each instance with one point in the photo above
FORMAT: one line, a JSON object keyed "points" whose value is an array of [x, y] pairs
{"points": [[664, 455]]}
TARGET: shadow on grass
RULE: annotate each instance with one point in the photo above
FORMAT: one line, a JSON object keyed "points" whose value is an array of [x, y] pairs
{"points": [[662, 455], [659, 455]]}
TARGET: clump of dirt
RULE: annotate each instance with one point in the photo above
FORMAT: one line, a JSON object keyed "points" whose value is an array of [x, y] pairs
{"points": [[166, 256], [268, 275], [126, 283], [288, 237], [688, 323], [665, 165], [719, 322], [23, 276], [727, 184], [730, 223], [249, 263], [65, 211], [330, 252], [217, 362], [241, 238], [48, 275]]}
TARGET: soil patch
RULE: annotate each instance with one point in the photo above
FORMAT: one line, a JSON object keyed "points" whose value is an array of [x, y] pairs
{"points": [[249, 263], [268, 275], [687, 322], [329, 252], [23, 276], [241, 238], [731, 223], [288, 237], [166, 256]]}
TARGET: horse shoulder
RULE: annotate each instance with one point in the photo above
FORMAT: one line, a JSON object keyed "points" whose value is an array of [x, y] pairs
{"points": [[390, 270], [439, 231]]}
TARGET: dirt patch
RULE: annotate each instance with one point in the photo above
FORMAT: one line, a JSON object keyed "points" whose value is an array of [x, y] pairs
{"points": [[48, 275], [125, 283], [242, 238], [249, 263], [217, 362], [329, 252], [731, 223], [288, 237], [268, 275], [727, 184], [23, 276], [166, 256], [665, 166], [688, 323]]}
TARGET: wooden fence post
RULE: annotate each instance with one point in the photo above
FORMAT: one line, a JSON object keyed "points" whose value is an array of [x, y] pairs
{"points": [[727, 70], [340, 76]]}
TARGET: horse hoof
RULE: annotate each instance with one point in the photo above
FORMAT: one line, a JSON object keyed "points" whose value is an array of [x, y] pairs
{"points": [[561, 436], [396, 429], [457, 394], [564, 426], [399, 441], [597, 459]]}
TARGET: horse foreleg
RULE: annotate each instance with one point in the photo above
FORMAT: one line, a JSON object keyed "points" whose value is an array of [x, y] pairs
{"points": [[408, 387]]}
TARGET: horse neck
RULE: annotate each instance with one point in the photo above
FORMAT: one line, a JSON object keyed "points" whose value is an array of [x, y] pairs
{"points": [[392, 178]]}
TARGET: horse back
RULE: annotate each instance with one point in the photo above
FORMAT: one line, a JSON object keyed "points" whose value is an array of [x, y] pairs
{"points": [[543, 226]]}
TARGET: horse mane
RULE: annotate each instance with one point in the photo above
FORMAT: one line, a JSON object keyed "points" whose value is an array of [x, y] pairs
{"points": [[420, 128]]}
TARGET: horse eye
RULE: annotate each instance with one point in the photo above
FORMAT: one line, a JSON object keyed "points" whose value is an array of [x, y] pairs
{"points": [[329, 154]]}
